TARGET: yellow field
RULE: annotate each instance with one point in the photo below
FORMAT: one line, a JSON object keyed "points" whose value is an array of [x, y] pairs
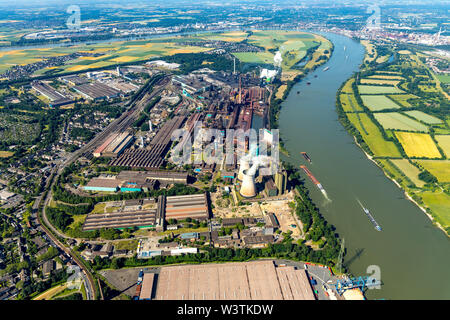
{"points": [[404, 52], [380, 81], [280, 91], [124, 59], [418, 145], [348, 86], [382, 59], [6, 154], [51, 292], [370, 49], [383, 76], [80, 67], [438, 168], [444, 143]]}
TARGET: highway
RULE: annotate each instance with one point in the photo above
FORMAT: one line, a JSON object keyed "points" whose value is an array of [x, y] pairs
{"points": [[136, 105]]}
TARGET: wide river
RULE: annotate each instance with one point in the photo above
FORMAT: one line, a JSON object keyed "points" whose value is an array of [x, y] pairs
{"points": [[412, 255]]}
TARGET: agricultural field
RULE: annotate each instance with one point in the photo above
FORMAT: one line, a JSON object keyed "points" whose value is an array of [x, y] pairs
{"points": [[409, 170], [349, 103], [6, 154], [418, 145], [292, 45], [255, 57], [444, 142], [367, 89], [371, 52], [235, 36], [280, 92], [347, 88], [110, 54], [402, 99], [385, 77], [373, 136], [422, 116], [387, 72], [438, 168], [398, 121], [439, 203], [443, 78], [380, 81], [376, 103]]}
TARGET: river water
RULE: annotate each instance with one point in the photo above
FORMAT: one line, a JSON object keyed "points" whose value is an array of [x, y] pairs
{"points": [[412, 255]]}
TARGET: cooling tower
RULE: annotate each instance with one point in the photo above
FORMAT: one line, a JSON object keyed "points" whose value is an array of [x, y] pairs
{"points": [[244, 165], [248, 188]]}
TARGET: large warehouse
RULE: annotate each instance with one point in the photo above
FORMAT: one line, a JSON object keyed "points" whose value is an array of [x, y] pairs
{"points": [[162, 176], [258, 280], [141, 218], [194, 206], [114, 145], [96, 91]]}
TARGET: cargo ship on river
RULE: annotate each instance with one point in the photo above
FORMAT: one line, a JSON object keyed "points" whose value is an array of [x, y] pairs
{"points": [[371, 218], [313, 179], [306, 156]]}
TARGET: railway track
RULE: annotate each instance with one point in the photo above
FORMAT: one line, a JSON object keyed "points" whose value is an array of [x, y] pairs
{"points": [[136, 106]]}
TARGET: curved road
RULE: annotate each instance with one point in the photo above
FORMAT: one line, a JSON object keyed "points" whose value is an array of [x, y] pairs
{"points": [[137, 104]]}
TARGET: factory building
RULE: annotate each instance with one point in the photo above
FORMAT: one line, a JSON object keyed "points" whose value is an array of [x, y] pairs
{"points": [[161, 176], [96, 91], [74, 80], [113, 184], [193, 206], [258, 280], [142, 218], [114, 145], [56, 98], [102, 184], [281, 181], [270, 188], [147, 286], [154, 157]]}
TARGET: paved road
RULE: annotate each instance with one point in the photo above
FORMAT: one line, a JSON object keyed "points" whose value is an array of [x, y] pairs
{"points": [[124, 121], [321, 274]]}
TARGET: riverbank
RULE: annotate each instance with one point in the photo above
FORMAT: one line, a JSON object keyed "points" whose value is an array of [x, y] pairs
{"points": [[375, 133], [405, 192]]}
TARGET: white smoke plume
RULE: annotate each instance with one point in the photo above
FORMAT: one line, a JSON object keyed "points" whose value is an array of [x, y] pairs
{"points": [[277, 60]]}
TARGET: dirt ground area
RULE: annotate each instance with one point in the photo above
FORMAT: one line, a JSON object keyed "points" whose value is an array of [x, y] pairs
{"points": [[123, 280], [284, 215], [252, 210]]}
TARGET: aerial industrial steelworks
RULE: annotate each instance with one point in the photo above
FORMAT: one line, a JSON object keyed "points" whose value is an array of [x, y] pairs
{"points": [[154, 156]]}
